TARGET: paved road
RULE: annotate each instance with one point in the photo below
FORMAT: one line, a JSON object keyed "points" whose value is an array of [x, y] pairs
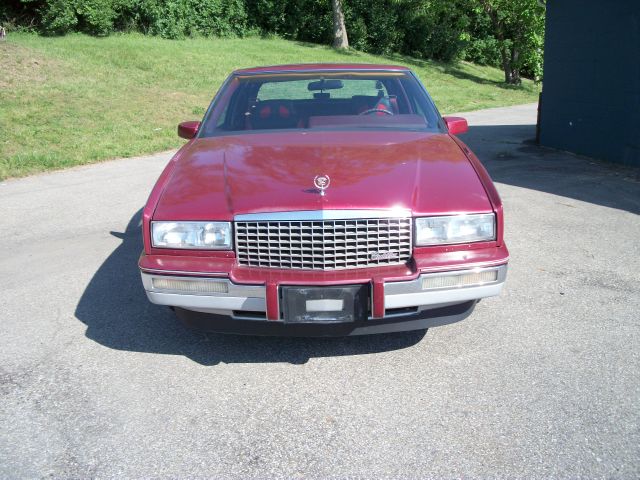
{"points": [[541, 382]]}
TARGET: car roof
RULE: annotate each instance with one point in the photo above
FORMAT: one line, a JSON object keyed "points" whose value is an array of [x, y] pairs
{"points": [[320, 67]]}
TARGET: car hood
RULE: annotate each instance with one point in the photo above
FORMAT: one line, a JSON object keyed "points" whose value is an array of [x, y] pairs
{"points": [[217, 178]]}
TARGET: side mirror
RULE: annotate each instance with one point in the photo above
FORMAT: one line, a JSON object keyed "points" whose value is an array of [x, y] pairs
{"points": [[456, 125], [188, 130]]}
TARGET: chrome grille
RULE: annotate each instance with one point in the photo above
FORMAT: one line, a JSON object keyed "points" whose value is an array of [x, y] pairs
{"points": [[323, 244]]}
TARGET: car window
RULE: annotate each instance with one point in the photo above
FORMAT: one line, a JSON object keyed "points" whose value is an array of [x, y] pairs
{"points": [[291, 90], [298, 89], [324, 100]]}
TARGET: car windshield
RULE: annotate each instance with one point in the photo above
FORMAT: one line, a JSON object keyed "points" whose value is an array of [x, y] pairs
{"points": [[344, 100]]}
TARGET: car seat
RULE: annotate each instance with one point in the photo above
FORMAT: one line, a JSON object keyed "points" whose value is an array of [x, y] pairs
{"points": [[270, 114]]}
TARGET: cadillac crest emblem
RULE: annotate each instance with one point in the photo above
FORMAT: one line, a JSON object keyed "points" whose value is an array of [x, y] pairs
{"points": [[322, 183]]}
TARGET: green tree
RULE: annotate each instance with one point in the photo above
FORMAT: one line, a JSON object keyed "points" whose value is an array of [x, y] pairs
{"points": [[518, 26], [435, 29]]}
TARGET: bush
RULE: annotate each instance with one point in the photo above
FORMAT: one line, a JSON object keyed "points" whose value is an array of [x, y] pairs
{"points": [[483, 51], [167, 18], [16, 15], [379, 23], [96, 16], [58, 17], [436, 34], [306, 20], [183, 18], [445, 30]]}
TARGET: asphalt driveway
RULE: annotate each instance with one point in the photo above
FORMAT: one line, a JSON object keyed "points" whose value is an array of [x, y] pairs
{"points": [[543, 381]]}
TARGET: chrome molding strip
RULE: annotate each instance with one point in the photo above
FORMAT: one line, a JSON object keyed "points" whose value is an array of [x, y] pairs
{"points": [[415, 286], [233, 290], [253, 297], [185, 273], [208, 302], [442, 297], [314, 215], [411, 294]]}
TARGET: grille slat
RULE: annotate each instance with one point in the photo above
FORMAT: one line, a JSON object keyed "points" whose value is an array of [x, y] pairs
{"points": [[323, 244]]}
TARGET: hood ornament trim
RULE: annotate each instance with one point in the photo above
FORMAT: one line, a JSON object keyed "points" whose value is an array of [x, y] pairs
{"points": [[322, 182]]}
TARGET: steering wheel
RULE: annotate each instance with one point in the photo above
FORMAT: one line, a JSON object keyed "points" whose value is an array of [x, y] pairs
{"points": [[376, 110]]}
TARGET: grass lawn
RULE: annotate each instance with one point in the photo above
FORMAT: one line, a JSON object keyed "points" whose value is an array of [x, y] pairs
{"points": [[78, 99]]}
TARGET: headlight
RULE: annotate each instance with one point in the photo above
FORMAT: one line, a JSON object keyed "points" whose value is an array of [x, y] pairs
{"points": [[455, 229], [194, 235]]}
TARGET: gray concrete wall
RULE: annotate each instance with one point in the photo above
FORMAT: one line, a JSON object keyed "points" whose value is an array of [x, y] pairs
{"points": [[591, 90]]}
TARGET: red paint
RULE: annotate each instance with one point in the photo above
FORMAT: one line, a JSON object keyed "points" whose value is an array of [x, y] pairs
{"points": [[188, 130], [378, 298], [426, 259], [273, 303], [456, 125], [490, 188], [219, 177], [320, 67], [154, 197], [410, 121]]}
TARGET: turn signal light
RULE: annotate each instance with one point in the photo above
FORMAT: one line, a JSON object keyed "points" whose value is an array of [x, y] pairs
{"points": [[463, 280], [190, 286]]}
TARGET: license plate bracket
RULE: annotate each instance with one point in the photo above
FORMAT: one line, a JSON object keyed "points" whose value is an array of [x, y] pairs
{"points": [[332, 304]]}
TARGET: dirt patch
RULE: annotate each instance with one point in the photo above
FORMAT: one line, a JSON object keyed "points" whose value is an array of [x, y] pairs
{"points": [[20, 65]]}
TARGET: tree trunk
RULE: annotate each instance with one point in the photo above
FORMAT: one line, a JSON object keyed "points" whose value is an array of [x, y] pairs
{"points": [[509, 53], [509, 65], [515, 70], [506, 63], [499, 34], [340, 39]]}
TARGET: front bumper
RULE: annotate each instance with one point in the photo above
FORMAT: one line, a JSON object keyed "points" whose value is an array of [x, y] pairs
{"points": [[218, 304]]}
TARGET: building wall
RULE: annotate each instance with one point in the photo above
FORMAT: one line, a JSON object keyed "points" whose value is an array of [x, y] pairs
{"points": [[591, 87]]}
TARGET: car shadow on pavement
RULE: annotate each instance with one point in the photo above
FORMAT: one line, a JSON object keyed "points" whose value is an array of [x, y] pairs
{"points": [[118, 315], [511, 156]]}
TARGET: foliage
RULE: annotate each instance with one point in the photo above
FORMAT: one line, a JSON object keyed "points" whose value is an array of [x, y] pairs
{"points": [[488, 32], [379, 23], [435, 29], [483, 51], [58, 17], [183, 18], [306, 20], [518, 28], [167, 18]]}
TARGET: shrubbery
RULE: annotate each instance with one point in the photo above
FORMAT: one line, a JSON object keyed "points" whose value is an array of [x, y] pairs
{"points": [[167, 18], [432, 29], [183, 18], [436, 31]]}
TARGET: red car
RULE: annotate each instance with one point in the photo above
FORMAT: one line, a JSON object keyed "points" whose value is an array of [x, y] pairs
{"points": [[323, 200]]}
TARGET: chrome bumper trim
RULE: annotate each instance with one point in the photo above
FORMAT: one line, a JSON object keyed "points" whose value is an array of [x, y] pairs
{"points": [[411, 294], [253, 297], [238, 297]]}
